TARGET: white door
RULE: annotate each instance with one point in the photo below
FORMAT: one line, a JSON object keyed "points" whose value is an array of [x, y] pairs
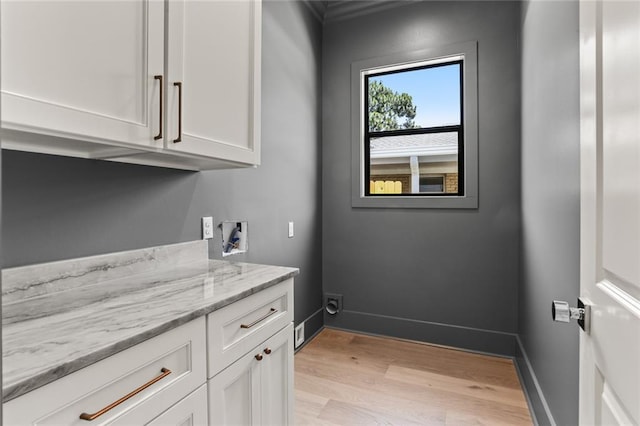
{"points": [[84, 71], [214, 53], [610, 211]]}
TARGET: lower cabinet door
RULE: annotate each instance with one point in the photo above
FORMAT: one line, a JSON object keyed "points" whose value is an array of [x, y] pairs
{"points": [[234, 393], [277, 379], [191, 411], [258, 388]]}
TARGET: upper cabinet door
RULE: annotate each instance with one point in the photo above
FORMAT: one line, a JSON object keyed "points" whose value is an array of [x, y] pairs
{"points": [[214, 51], [82, 71]]}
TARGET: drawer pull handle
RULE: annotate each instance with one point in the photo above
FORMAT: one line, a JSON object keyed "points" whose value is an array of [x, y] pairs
{"points": [[271, 312], [87, 416], [267, 351], [259, 357]]}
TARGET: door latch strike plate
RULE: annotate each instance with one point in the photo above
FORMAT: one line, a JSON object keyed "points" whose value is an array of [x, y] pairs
{"points": [[585, 321]]}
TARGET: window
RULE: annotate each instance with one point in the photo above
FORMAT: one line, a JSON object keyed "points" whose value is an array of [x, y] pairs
{"points": [[432, 185], [414, 126]]}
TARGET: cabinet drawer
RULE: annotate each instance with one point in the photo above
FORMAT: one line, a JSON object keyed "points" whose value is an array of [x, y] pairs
{"points": [[237, 328], [170, 365], [191, 411]]}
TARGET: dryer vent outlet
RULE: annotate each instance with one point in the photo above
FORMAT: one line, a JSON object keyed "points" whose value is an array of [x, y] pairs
{"points": [[333, 303]]}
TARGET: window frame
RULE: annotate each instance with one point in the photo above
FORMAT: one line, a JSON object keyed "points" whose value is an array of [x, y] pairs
{"points": [[468, 129], [458, 128]]}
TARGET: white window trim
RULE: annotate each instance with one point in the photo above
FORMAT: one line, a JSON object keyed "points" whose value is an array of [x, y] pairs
{"points": [[359, 69]]}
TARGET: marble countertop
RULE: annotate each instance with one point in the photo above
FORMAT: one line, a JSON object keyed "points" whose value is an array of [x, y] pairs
{"points": [[66, 321]]}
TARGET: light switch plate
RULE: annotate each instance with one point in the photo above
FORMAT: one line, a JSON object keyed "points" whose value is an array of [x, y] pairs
{"points": [[207, 228], [290, 229]]}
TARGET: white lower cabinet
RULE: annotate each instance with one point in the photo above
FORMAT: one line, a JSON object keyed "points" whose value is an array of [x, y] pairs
{"points": [[165, 368], [165, 380], [257, 389], [191, 411]]}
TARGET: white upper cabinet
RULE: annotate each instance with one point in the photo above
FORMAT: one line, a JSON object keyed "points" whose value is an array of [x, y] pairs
{"points": [[81, 70], [87, 79], [214, 52]]}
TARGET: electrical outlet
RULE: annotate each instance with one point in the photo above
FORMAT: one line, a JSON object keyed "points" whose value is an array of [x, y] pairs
{"points": [[290, 229], [298, 334], [207, 228]]}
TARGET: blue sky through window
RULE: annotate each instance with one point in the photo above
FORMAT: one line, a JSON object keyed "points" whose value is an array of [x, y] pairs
{"points": [[435, 92]]}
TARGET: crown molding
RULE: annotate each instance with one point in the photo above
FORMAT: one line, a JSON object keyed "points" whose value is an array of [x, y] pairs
{"points": [[317, 8], [338, 10]]}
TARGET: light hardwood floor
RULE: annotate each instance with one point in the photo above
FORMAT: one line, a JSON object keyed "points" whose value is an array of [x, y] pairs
{"points": [[344, 378]]}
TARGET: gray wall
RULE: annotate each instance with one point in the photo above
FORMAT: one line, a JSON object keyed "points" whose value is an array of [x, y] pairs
{"points": [[57, 208], [444, 276], [550, 206], [0, 249]]}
